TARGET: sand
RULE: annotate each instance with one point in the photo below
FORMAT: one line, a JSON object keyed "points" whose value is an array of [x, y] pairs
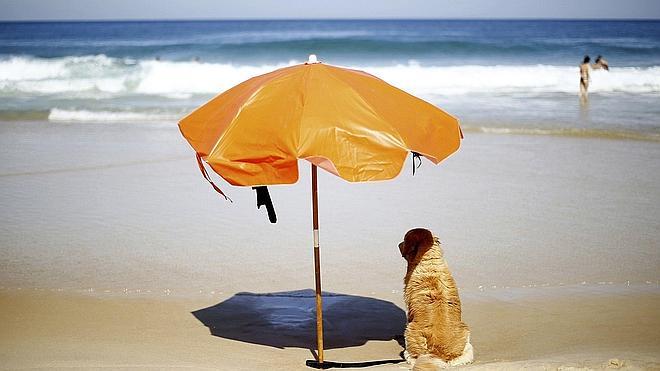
{"points": [[111, 242], [580, 329]]}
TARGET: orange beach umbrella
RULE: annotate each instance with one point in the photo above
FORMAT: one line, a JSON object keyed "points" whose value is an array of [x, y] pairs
{"points": [[345, 121]]}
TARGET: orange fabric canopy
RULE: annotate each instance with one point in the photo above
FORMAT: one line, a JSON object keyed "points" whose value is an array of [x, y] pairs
{"points": [[345, 121]]}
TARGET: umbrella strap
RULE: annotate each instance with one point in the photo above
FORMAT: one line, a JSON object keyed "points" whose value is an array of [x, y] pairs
{"points": [[263, 198], [416, 156], [208, 178]]}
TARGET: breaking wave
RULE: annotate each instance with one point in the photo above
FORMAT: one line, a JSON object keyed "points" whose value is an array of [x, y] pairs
{"points": [[63, 115], [99, 76]]}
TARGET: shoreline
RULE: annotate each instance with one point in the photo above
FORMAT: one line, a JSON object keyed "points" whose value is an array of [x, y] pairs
{"points": [[471, 128], [587, 133]]}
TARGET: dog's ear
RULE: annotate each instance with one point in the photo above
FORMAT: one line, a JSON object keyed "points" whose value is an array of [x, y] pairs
{"points": [[415, 240]]}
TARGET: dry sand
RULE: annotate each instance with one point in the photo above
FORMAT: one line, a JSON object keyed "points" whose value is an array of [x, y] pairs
{"points": [[582, 329]]}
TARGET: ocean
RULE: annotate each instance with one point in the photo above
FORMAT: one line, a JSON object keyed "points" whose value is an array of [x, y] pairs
{"points": [[495, 76]]}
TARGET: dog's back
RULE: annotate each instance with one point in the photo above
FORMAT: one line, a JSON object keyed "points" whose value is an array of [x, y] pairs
{"points": [[435, 331]]}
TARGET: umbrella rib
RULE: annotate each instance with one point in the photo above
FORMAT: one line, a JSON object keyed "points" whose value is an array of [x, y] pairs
{"points": [[234, 119], [246, 103], [302, 110], [406, 146], [398, 140]]}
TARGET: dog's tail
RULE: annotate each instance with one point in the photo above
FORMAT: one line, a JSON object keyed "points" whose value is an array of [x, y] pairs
{"points": [[427, 362]]}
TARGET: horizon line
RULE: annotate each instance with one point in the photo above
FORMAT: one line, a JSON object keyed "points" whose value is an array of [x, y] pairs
{"points": [[110, 20]]}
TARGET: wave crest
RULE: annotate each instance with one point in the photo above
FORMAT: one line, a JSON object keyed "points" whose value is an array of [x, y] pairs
{"points": [[99, 76], [64, 115]]}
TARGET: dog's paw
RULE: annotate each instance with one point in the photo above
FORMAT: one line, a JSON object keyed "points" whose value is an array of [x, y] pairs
{"points": [[427, 362], [466, 357]]}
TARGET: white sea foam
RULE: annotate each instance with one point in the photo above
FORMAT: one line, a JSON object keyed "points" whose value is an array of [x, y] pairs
{"points": [[94, 76], [167, 78], [19, 69], [26, 69], [537, 79], [86, 74], [63, 115]]}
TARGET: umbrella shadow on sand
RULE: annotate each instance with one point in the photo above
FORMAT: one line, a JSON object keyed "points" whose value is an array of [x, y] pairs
{"points": [[288, 319]]}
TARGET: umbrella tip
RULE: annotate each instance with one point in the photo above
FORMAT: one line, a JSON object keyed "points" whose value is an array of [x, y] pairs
{"points": [[312, 59]]}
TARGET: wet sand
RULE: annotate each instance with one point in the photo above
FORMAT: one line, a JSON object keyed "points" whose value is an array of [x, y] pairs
{"points": [[110, 239]]}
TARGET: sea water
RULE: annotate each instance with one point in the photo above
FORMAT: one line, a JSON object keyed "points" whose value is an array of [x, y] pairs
{"points": [[496, 76]]}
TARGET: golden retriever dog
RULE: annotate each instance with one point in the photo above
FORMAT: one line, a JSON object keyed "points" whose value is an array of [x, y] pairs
{"points": [[435, 335]]}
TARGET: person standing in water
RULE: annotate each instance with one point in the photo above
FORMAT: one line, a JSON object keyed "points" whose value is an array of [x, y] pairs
{"points": [[584, 78], [601, 63]]}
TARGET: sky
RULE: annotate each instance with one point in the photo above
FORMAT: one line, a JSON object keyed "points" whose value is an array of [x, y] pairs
{"points": [[19, 10]]}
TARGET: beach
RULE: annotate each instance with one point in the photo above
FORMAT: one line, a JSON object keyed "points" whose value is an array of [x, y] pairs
{"points": [[113, 244], [579, 330], [116, 253]]}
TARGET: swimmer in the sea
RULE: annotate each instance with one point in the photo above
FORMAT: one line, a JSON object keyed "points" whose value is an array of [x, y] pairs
{"points": [[601, 63], [584, 77]]}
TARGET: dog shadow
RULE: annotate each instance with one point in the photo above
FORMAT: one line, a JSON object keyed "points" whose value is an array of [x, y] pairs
{"points": [[288, 319]]}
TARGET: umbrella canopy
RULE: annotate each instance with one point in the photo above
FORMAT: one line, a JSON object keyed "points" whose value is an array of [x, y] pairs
{"points": [[345, 121]]}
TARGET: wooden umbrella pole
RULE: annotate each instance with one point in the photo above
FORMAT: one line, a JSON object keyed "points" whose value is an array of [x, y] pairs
{"points": [[317, 265]]}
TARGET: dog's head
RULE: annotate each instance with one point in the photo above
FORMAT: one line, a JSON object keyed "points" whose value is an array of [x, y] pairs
{"points": [[416, 241]]}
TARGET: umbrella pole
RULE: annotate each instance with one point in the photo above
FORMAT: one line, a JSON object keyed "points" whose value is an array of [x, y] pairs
{"points": [[317, 266]]}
